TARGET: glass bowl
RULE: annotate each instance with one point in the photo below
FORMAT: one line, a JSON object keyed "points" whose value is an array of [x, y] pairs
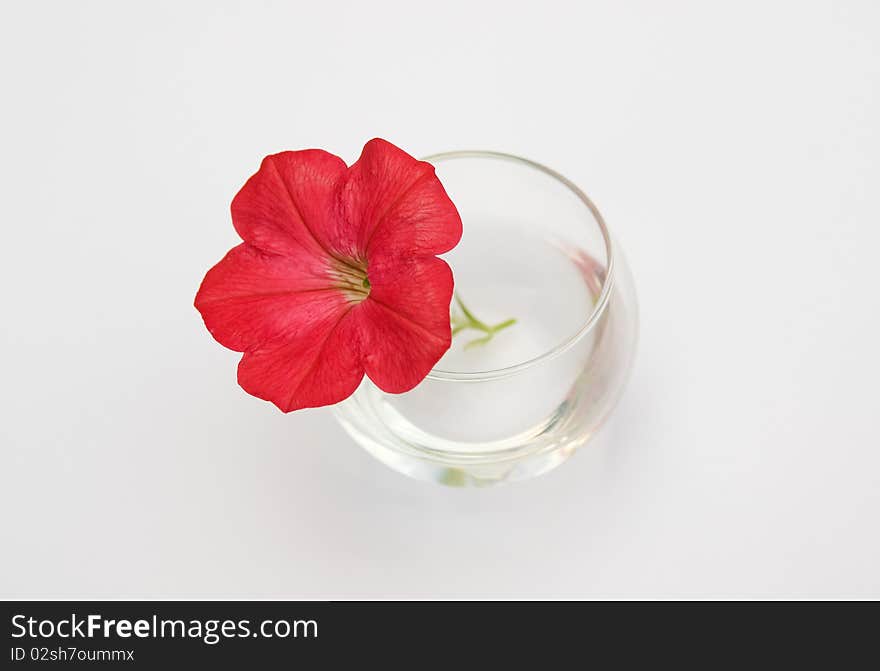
{"points": [[516, 402]]}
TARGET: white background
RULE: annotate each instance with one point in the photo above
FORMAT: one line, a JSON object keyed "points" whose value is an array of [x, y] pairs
{"points": [[734, 150]]}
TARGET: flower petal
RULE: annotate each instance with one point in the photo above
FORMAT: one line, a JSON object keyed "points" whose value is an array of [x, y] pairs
{"points": [[250, 298], [397, 205], [321, 366], [293, 297], [405, 321], [291, 204]]}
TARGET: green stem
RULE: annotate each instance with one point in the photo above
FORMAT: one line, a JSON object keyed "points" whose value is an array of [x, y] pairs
{"points": [[468, 320]]}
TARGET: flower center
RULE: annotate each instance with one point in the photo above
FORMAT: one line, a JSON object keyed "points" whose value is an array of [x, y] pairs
{"points": [[350, 277]]}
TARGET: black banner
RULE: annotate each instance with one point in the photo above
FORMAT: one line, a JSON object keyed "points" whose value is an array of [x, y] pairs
{"points": [[150, 634]]}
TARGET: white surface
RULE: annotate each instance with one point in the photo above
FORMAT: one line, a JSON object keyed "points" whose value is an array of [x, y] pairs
{"points": [[734, 150]]}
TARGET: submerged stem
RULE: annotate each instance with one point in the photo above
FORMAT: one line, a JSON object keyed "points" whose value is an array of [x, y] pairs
{"points": [[468, 320]]}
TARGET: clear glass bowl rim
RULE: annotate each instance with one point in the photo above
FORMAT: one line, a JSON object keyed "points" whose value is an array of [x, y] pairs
{"points": [[598, 308]]}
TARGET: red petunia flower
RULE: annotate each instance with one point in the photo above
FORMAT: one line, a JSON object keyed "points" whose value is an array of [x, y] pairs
{"points": [[337, 276]]}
